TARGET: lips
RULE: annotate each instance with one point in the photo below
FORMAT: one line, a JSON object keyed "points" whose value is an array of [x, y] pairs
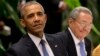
{"points": [[37, 25]]}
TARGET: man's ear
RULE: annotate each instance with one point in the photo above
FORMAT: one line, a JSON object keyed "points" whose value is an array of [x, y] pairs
{"points": [[22, 23], [45, 18], [70, 20]]}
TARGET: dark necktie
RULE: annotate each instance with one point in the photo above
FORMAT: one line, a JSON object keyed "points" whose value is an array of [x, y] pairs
{"points": [[82, 51], [44, 48]]}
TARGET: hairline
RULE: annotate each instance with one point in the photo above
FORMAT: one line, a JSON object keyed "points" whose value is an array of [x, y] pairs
{"points": [[28, 4], [76, 12]]}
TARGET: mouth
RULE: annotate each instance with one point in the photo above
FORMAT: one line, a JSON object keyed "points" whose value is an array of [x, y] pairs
{"points": [[37, 25]]}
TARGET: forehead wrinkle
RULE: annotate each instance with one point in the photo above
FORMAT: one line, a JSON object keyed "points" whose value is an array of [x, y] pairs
{"points": [[33, 4], [25, 8]]}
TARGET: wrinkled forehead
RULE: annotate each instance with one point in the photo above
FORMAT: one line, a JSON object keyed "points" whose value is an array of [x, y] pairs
{"points": [[27, 5], [85, 17], [34, 7], [36, 4]]}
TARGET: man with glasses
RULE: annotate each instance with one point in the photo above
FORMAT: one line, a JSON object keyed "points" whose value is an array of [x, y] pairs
{"points": [[79, 26]]}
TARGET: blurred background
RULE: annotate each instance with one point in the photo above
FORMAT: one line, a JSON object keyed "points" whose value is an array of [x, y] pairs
{"points": [[13, 30]]}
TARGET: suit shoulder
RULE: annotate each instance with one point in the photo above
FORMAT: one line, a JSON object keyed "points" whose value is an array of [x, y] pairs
{"points": [[87, 40], [16, 49], [19, 46]]}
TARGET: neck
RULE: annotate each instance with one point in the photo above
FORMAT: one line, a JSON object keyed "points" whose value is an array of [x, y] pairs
{"points": [[38, 34], [80, 39]]}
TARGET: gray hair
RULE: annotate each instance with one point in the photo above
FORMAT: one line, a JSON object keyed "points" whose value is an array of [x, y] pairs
{"points": [[28, 4], [76, 12]]}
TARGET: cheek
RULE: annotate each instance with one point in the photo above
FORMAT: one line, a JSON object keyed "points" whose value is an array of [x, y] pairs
{"points": [[43, 21], [87, 31], [79, 31], [28, 23], [84, 32]]}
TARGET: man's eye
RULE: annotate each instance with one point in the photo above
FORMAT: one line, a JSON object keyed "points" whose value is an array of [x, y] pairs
{"points": [[40, 14], [30, 16]]}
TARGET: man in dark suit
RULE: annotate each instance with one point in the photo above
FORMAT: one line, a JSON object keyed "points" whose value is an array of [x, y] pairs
{"points": [[54, 10], [79, 26], [33, 18]]}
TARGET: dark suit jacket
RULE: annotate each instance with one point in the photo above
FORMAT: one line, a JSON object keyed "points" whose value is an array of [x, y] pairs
{"points": [[25, 47], [70, 45]]}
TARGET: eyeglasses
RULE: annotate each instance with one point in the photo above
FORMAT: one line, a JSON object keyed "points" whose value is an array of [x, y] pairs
{"points": [[84, 24]]}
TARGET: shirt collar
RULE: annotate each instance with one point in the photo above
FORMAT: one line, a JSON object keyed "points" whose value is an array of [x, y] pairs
{"points": [[36, 39], [44, 38]]}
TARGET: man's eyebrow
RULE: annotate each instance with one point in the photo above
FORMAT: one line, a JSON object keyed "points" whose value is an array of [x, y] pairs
{"points": [[40, 12], [29, 15]]}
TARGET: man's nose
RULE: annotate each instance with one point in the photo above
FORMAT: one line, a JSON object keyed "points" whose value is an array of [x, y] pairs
{"points": [[36, 18]]}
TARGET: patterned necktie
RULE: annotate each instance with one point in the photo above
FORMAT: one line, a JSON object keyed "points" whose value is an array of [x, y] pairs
{"points": [[42, 42], [82, 51]]}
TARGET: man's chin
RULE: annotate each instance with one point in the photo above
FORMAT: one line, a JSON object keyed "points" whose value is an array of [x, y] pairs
{"points": [[38, 30]]}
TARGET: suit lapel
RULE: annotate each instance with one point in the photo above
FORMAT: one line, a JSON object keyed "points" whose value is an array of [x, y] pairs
{"points": [[31, 47], [88, 47], [57, 47], [71, 45], [52, 44]]}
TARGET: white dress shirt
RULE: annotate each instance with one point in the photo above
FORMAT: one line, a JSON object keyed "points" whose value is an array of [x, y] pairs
{"points": [[76, 41], [37, 40]]}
